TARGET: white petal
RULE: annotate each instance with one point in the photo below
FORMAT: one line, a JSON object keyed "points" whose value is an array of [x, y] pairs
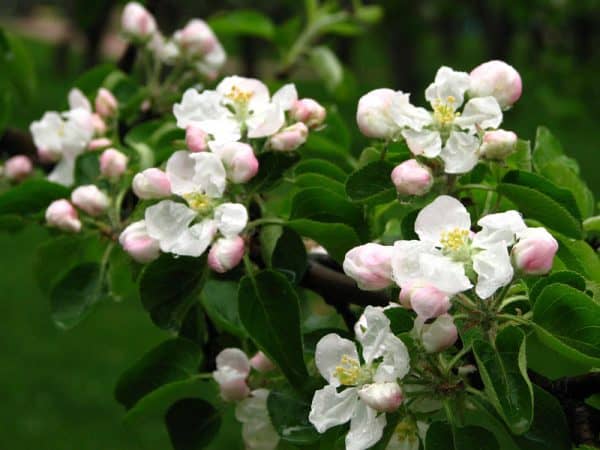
{"points": [[443, 214], [448, 83], [500, 227], [328, 355], [167, 221], [426, 142], [480, 112], [257, 430], [196, 108], [366, 428], [64, 172], [407, 115], [377, 328], [232, 364], [406, 266], [286, 96], [194, 240], [265, 121], [258, 90], [78, 100], [210, 176], [493, 268], [446, 275], [396, 361], [180, 172], [46, 132], [231, 218], [330, 408], [460, 152]]}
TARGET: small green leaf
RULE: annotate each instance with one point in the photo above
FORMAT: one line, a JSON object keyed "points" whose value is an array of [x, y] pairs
{"points": [[87, 168], [521, 158], [565, 277], [192, 424], [219, 298], [289, 415], [289, 255], [243, 22], [92, 80], [371, 183], [269, 310], [401, 320], [327, 66], [17, 65], [31, 196]]}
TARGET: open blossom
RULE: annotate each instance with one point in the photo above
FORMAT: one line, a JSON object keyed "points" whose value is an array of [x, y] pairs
{"points": [[151, 183], [238, 104], [90, 199], [239, 160], [308, 111], [447, 249], [369, 387], [438, 335], [233, 367], [136, 241], [113, 163], [498, 144], [137, 22], [226, 253], [534, 252], [498, 79], [257, 430], [369, 265], [412, 178], [18, 167], [290, 138], [61, 214], [191, 174]]}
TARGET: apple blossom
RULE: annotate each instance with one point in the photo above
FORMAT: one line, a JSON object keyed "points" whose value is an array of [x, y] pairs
{"points": [[61, 214], [426, 300], [99, 143], [193, 174], [438, 335], [534, 252], [374, 115], [98, 124], [18, 167], [261, 363], [289, 138], [233, 368], [226, 253], [498, 144], [136, 241], [257, 430], [196, 139], [498, 79], [308, 111], [412, 178], [239, 160], [151, 183], [369, 265], [165, 50], [113, 163], [338, 362], [90, 199], [196, 38], [106, 104], [137, 22], [408, 435]]}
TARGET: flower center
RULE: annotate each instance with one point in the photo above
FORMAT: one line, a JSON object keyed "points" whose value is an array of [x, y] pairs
{"points": [[238, 95], [350, 373], [445, 112], [406, 430], [198, 202], [455, 239]]}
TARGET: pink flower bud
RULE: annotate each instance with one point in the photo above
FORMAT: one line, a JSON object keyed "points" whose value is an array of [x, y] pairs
{"points": [[196, 38], [239, 160], [98, 124], [498, 144], [100, 143], [233, 368], [373, 114], [498, 79], [534, 253], [106, 104], [226, 253], [151, 183], [18, 167], [370, 266], [196, 139], [439, 335], [308, 111], [412, 178], [382, 397], [113, 163], [289, 138], [90, 199], [426, 300], [234, 390], [136, 241], [261, 363], [137, 22], [61, 214]]}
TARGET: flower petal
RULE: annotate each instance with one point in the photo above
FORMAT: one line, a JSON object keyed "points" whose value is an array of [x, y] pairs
{"points": [[444, 274], [180, 172], [448, 83], [286, 96], [265, 121], [328, 355], [500, 227], [407, 115], [376, 329], [330, 408], [63, 172], [406, 266], [210, 176], [460, 152], [426, 142], [194, 240], [493, 268], [443, 214], [257, 430], [195, 108], [232, 364], [78, 100], [396, 361], [259, 93], [480, 112], [366, 428], [231, 218], [166, 221]]}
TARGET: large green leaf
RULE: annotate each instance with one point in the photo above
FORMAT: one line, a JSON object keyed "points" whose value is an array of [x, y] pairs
{"points": [[89, 82], [192, 423], [564, 177], [289, 415], [565, 277], [503, 370], [549, 150], [87, 168], [322, 167], [243, 22], [272, 166], [577, 255], [219, 298], [289, 255], [337, 238], [169, 287], [371, 183], [269, 310], [441, 436], [17, 65], [173, 360], [307, 180], [31, 196]]}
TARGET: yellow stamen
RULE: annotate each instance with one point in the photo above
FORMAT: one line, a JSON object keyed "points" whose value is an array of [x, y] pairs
{"points": [[444, 112], [348, 372], [455, 239], [198, 202], [238, 95]]}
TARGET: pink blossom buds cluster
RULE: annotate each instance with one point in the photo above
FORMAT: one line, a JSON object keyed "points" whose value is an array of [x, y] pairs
{"points": [[196, 139], [289, 138], [17, 168], [239, 161], [106, 104], [309, 112], [412, 178]]}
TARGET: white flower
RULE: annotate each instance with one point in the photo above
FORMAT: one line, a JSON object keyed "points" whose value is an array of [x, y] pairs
{"points": [[257, 430], [196, 173], [238, 106], [366, 385], [447, 249], [233, 367]]}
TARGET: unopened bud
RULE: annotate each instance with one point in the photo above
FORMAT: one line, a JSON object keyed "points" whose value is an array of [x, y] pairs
{"points": [[289, 138], [226, 253], [426, 300], [412, 178], [239, 161], [196, 38], [137, 22], [61, 214], [374, 114], [151, 183], [233, 368], [136, 241], [90, 199], [382, 397], [534, 253], [498, 79], [370, 266], [196, 139], [98, 124], [439, 335], [261, 363], [113, 163], [106, 104], [308, 111], [99, 143], [18, 167], [498, 144]]}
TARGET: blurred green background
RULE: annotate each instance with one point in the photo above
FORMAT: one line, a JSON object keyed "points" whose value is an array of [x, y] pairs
{"points": [[58, 385]]}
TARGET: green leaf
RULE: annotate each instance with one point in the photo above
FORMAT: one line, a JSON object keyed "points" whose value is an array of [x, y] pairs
{"points": [[371, 183], [120, 276], [272, 166], [504, 373], [548, 150], [243, 22], [337, 238], [170, 286], [289, 255], [87, 168], [401, 320], [289, 415], [322, 167], [75, 294], [521, 158], [566, 323], [31, 196], [6, 107], [17, 65], [269, 310], [537, 198], [308, 180], [92, 80], [441, 436], [577, 255], [153, 141], [565, 277], [192, 424], [173, 360], [327, 66], [220, 301], [564, 177]]}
